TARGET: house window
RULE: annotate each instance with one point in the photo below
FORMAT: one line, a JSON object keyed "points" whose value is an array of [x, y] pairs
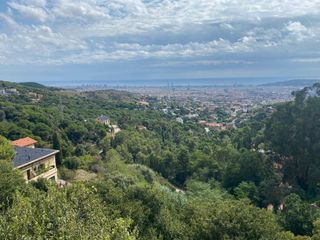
{"points": [[39, 169], [29, 174]]}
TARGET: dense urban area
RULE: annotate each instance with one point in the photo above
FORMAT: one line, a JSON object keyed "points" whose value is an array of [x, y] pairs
{"points": [[214, 107]]}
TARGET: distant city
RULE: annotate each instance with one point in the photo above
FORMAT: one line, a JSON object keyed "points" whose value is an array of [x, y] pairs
{"points": [[174, 83], [215, 104]]}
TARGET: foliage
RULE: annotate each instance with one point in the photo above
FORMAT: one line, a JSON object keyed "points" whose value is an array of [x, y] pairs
{"points": [[247, 190], [72, 163], [10, 182], [66, 174], [79, 214], [56, 144], [297, 215], [164, 180], [230, 220], [294, 134], [6, 150]]}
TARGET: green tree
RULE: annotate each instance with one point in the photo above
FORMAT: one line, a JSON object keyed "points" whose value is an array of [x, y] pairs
{"points": [[294, 134], [6, 150], [10, 179], [297, 216], [72, 163], [10, 182], [76, 133], [249, 166], [73, 213], [229, 219], [316, 230], [247, 190], [56, 144], [2, 115]]}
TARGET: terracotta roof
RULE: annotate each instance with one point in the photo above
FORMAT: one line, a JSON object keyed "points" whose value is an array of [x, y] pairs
{"points": [[214, 124], [24, 142]]}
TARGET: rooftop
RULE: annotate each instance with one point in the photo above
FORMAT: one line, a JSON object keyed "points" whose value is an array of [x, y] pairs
{"points": [[103, 117], [24, 142], [27, 155]]}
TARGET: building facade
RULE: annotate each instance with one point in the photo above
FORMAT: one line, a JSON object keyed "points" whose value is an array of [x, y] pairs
{"points": [[35, 163]]}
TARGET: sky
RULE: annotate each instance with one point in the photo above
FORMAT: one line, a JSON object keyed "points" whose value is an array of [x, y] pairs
{"points": [[117, 40]]}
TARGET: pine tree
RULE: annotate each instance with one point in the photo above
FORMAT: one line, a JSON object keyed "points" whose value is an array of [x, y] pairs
{"points": [[56, 144]]}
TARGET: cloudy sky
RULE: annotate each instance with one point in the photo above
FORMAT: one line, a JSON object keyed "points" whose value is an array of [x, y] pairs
{"points": [[91, 40]]}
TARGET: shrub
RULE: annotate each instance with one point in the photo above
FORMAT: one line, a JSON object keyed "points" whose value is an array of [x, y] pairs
{"points": [[72, 163]]}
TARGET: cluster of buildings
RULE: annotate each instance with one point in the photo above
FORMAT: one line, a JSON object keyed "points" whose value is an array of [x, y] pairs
{"points": [[35, 97], [8, 91], [218, 108]]}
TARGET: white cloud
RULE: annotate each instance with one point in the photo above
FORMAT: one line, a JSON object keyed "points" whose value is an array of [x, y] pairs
{"points": [[296, 27], [300, 32], [42, 43], [227, 26], [9, 21], [36, 3], [202, 63], [90, 31], [30, 11], [307, 60], [72, 9]]}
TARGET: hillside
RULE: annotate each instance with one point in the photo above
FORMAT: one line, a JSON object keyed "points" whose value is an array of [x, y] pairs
{"points": [[156, 178], [295, 82], [32, 85]]}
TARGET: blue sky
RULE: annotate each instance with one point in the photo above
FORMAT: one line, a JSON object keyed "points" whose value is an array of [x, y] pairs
{"points": [[90, 40]]}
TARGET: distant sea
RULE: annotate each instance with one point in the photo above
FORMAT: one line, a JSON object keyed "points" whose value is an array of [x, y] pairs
{"points": [[166, 82]]}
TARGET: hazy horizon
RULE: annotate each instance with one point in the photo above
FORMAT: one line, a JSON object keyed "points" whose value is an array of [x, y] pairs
{"points": [[164, 83]]}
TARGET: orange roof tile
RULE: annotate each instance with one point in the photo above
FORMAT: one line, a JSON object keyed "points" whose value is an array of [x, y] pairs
{"points": [[24, 142]]}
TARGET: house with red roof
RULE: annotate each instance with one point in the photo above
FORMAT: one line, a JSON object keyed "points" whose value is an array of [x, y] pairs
{"points": [[34, 163], [24, 142]]}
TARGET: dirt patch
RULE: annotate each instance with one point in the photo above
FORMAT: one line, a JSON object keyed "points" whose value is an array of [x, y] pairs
{"points": [[82, 175]]}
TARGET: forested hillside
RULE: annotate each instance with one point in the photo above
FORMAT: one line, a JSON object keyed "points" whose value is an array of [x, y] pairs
{"points": [[157, 179]]}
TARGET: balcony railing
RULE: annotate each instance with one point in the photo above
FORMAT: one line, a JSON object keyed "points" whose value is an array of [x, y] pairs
{"points": [[44, 174]]}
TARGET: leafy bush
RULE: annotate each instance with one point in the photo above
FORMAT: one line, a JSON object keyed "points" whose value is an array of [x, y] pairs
{"points": [[72, 163], [67, 174]]}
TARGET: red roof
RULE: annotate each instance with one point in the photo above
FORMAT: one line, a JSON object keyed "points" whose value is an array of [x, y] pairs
{"points": [[214, 125], [24, 142]]}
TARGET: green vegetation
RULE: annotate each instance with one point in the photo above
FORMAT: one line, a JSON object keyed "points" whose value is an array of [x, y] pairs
{"points": [[165, 180], [294, 134], [32, 85]]}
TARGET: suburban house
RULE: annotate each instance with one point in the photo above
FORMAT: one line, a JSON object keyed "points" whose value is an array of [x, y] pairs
{"points": [[103, 119], [35, 97], [35, 163], [24, 142]]}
